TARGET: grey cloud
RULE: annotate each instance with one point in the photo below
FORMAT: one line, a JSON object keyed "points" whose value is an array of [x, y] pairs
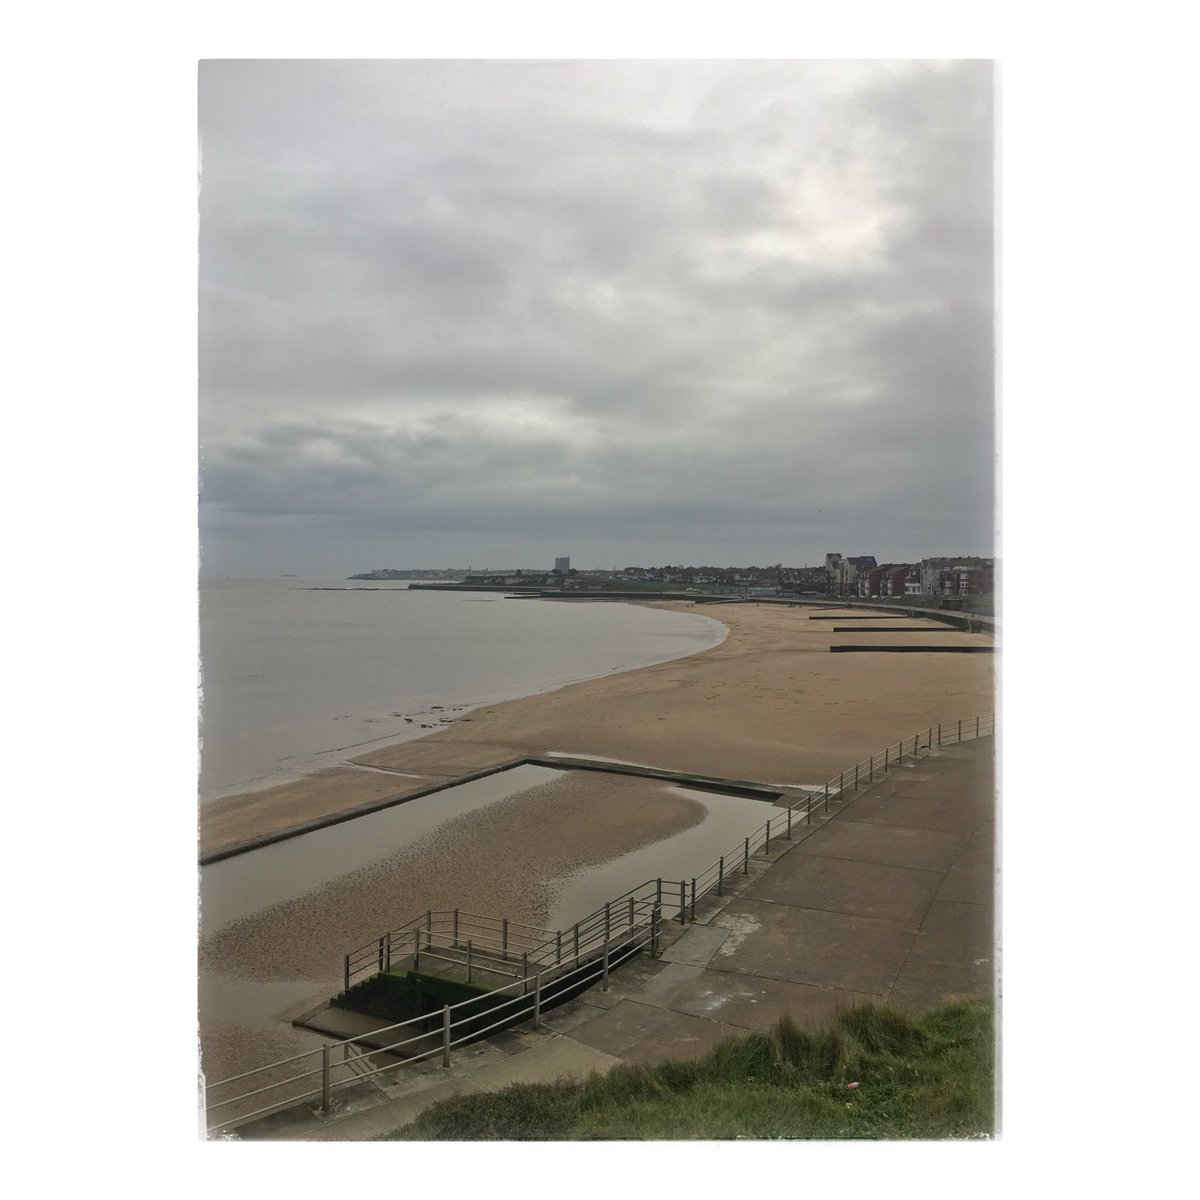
{"points": [[706, 301]]}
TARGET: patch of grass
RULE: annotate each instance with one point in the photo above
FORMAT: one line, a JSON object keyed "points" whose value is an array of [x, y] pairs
{"points": [[926, 1077]]}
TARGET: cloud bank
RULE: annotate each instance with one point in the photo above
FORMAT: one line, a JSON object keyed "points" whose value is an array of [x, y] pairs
{"points": [[486, 313]]}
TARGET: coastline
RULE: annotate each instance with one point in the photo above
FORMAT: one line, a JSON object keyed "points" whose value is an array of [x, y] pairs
{"points": [[389, 685], [768, 704]]}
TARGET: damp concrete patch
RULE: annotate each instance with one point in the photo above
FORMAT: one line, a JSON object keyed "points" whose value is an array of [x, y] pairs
{"points": [[740, 926]]}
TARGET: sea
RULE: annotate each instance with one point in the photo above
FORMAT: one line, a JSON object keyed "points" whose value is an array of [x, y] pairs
{"points": [[300, 674]]}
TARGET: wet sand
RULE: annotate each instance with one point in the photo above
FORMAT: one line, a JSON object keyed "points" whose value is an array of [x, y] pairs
{"points": [[770, 704], [508, 859]]}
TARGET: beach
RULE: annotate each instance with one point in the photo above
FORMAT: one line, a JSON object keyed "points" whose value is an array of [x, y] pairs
{"points": [[770, 704]]}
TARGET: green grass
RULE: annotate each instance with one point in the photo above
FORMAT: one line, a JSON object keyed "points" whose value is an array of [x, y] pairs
{"points": [[927, 1077]]}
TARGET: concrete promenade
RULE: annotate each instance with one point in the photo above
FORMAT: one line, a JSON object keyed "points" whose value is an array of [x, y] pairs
{"points": [[888, 898]]}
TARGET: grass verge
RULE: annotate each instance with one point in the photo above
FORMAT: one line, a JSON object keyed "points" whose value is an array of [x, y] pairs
{"points": [[930, 1077]]}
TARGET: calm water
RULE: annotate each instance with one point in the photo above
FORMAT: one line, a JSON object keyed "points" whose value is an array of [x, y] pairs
{"points": [[297, 677]]}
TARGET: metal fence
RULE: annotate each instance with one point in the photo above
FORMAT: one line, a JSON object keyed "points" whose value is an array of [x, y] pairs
{"points": [[541, 965]]}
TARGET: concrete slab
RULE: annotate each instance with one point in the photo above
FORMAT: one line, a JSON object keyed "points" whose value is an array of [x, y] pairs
{"points": [[661, 990], [951, 814], [924, 849], [339, 1024], [810, 880], [953, 955], [565, 1017], [634, 972], [914, 1003], [384, 1118], [515, 1041], [623, 1025], [556, 1058], [970, 885], [753, 1002], [696, 947], [857, 954], [981, 849], [939, 775], [685, 1037], [955, 931], [947, 981]]}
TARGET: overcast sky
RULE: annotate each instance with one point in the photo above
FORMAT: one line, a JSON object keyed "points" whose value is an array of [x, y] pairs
{"points": [[474, 313]]}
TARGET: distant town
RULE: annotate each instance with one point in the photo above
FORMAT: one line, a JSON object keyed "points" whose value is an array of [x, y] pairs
{"points": [[949, 581]]}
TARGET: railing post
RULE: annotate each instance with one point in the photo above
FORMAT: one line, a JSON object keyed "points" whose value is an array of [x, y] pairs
{"points": [[960, 730], [537, 1001], [577, 943], [789, 823], [808, 818], [746, 857], [325, 1077], [468, 960], [655, 926], [939, 733], [929, 737], [604, 988], [658, 894], [886, 751], [445, 1035], [721, 876], [872, 779], [380, 951], [841, 787], [387, 951], [900, 756], [976, 726], [682, 903], [827, 797], [767, 847], [856, 777], [347, 976], [504, 939], [607, 922], [428, 924], [416, 949], [456, 929], [558, 948], [693, 899], [631, 914], [525, 965]]}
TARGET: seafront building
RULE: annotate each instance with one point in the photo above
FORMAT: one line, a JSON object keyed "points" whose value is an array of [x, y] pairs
{"points": [[944, 578]]}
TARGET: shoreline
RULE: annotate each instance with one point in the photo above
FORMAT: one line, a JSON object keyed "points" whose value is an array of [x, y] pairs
{"points": [[768, 703], [299, 766]]}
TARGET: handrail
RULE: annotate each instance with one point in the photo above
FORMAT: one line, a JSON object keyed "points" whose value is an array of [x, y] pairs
{"points": [[663, 894], [583, 974]]}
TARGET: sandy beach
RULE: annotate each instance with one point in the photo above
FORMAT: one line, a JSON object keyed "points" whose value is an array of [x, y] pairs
{"points": [[770, 704]]}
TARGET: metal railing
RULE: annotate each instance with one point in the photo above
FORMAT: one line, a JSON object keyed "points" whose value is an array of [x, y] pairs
{"points": [[552, 962], [319, 1074]]}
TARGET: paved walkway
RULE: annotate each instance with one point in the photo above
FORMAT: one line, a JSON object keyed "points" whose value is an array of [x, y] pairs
{"points": [[890, 898]]}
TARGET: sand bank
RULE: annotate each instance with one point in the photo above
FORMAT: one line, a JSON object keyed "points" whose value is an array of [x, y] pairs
{"points": [[770, 704]]}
